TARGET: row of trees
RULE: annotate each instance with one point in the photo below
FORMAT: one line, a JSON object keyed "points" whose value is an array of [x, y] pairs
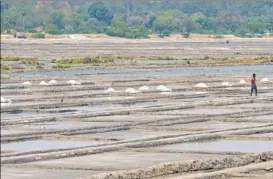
{"points": [[137, 19]]}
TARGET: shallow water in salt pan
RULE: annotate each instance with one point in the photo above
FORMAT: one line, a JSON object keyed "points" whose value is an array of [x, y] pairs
{"points": [[46, 145], [185, 71], [224, 145], [5, 131], [205, 111]]}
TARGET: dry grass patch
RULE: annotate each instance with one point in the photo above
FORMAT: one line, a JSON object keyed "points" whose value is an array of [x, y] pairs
{"points": [[87, 60], [62, 66], [32, 61], [234, 61], [5, 67], [17, 58]]}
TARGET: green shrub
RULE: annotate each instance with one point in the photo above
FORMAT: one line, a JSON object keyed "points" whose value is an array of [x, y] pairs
{"points": [[249, 35], [31, 61], [53, 60], [259, 35], [206, 58], [97, 60], [39, 35], [11, 58], [23, 60], [103, 59], [53, 29], [218, 36], [70, 61], [62, 66], [166, 58], [223, 59], [186, 34], [5, 67], [88, 60], [31, 31], [165, 33], [39, 67], [128, 32]]}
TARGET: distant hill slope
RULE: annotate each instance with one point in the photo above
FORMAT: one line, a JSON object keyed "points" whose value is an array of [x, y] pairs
{"points": [[138, 19]]}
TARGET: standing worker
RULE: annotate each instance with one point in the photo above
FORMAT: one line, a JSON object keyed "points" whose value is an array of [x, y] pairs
{"points": [[253, 85]]}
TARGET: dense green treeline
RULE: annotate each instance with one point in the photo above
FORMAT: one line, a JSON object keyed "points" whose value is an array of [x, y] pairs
{"points": [[138, 19]]}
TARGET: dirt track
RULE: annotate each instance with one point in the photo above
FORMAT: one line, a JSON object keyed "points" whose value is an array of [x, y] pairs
{"points": [[185, 48]]}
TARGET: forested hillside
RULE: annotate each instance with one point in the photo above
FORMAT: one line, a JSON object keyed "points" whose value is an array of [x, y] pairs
{"points": [[138, 18]]}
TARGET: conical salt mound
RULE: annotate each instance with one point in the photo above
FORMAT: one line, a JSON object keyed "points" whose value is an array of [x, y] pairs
{"points": [[78, 82], [242, 82], [131, 90], [201, 85], [265, 80], [27, 83], [109, 90], [70, 82], [43, 83], [200, 92], [4, 100], [144, 88], [163, 88], [166, 92], [226, 84], [52, 82], [73, 82]]}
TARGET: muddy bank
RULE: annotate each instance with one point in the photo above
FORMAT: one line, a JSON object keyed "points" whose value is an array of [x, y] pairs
{"points": [[182, 168]]}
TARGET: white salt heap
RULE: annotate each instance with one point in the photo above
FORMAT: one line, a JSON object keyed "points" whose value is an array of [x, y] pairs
{"points": [[27, 83], [163, 88], [4, 100], [226, 84], [144, 88], [200, 92], [131, 90], [43, 83], [201, 85], [110, 90], [242, 82], [265, 80], [73, 82], [52, 82]]}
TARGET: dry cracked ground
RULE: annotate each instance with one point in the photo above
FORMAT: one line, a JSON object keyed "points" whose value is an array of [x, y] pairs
{"points": [[183, 129]]}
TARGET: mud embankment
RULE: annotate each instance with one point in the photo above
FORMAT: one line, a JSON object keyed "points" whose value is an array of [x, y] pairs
{"points": [[182, 168]]}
